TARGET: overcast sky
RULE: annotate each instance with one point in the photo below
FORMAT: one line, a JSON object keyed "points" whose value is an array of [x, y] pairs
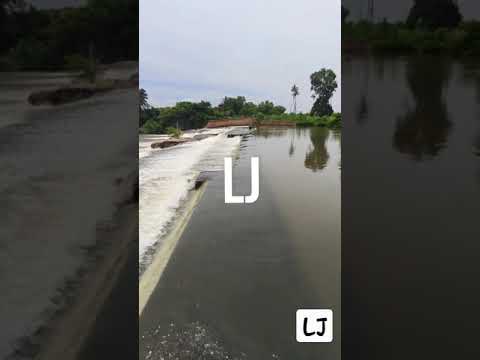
{"points": [[398, 10], [205, 50]]}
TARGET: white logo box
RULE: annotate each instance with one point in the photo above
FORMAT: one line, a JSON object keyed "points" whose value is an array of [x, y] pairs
{"points": [[314, 325]]}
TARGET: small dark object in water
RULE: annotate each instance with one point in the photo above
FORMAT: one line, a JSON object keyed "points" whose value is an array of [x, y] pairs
{"points": [[239, 132], [203, 136], [201, 179], [168, 143]]}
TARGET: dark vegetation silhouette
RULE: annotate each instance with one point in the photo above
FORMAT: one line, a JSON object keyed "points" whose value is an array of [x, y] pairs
{"points": [[423, 131], [432, 26], [317, 157], [323, 85], [190, 115], [295, 92], [52, 39], [345, 14], [434, 14]]}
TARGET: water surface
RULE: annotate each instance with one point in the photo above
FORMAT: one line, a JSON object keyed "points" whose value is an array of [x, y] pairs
{"points": [[411, 186], [240, 272], [62, 176]]}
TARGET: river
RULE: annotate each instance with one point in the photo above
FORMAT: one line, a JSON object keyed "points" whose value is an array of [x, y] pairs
{"points": [[240, 272], [63, 175], [411, 184]]}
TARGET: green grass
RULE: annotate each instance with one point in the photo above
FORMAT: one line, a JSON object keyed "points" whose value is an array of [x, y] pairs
{"points": [[333, 121]]}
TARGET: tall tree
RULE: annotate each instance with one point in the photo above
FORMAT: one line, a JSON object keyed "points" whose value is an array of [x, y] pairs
{"points": [[323, 85], [233, 106], [434, 14], [144, 107], [295, 92], [143, 99]]}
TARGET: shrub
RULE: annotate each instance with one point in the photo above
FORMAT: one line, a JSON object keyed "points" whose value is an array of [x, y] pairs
{"points": [[174, 132], [30, 54], [152, 126]]}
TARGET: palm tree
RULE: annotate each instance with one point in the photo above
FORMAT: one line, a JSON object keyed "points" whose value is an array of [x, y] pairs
{"points": [[143, 99], [295, 92]]}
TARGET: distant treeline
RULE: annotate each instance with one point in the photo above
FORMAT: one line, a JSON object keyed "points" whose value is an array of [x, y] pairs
{"points": [[189, 115], [432, 26], [332, 121], [34, 39]]}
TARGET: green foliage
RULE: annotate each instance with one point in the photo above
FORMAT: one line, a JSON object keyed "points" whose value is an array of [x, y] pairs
{"points": [[249, 109], [88, 67], [152, 126], [269, 108], [321, 107], [29, 54], [174, 132], [434, 14], [385, 37], [232, 106], [188, 115], [62, 38], [185, 115], [143, 99], [76, 62], [323, 85]]}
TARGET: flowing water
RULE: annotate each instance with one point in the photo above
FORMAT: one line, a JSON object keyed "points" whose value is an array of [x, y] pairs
{"points": [[167, 175], [411, 170], [60, 177], [240, 272]]}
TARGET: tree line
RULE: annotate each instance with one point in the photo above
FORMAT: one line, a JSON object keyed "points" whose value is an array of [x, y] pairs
{"points": [[431, 26], [193, 115], [50, 39]]}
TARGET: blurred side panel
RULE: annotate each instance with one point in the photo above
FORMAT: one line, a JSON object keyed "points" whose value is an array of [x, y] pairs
{"points": [[411, 180], [69, 189]]}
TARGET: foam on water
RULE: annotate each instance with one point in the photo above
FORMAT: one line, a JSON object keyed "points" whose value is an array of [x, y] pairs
{"points": [[49, 164], [166, 176], [145, 142]]}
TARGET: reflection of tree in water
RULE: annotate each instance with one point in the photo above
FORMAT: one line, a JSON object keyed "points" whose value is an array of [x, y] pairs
{"points": [[362, 110], [291, 149], [337, 135], [476, 146], [476, 152], [294, 133], [471, 74], [423, 130], [317, 157], [268, 132]]}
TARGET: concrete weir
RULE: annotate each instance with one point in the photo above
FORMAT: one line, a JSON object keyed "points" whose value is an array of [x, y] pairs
{"points": [[153, 273]]}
